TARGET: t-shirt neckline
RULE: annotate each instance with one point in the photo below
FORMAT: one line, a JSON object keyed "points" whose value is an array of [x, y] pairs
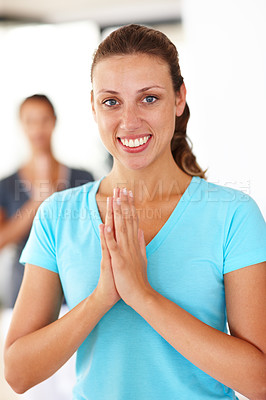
{"points": [[161, 235]]}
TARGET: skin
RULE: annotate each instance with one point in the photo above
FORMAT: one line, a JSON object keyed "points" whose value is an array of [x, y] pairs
{"points": [[38, 122], [38, 344], [151, 173], [133, 115], [41, 172]]}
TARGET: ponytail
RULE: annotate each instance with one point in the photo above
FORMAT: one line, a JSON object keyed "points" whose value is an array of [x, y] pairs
{"points": [[182, 150]]}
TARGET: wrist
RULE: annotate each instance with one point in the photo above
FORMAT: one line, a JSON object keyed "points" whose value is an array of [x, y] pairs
{"points": [[143, 298], [100, 301]]}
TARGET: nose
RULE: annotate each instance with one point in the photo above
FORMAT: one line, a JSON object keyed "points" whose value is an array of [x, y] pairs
{"points": [[130, 118]]}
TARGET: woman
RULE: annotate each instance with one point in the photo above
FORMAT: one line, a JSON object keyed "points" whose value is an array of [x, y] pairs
{"points": [[22, 192], [147, 288]]}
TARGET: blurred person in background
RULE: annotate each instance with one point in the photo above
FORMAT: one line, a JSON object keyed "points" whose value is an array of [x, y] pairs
{"points": [[159, 265], [22, 192]]}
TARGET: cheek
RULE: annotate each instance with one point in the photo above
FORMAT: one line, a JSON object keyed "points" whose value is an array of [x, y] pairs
{"points": [[164, 122], [106, 124], [106, 131]]}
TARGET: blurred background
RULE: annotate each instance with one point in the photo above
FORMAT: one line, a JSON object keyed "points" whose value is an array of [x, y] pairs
{"points": [[46, 46]]}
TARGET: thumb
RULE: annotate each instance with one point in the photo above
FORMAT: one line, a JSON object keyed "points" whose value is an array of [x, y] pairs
{"points": [[142, 243]]}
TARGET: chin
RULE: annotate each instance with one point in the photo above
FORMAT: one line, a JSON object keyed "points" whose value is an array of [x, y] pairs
{"points": [[136, 166]]}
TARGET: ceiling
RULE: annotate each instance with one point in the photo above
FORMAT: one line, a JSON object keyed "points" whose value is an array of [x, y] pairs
{"points": [[104, 12]]}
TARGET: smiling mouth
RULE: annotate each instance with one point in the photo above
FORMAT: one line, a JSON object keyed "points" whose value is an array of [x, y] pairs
{"points": [[133, 143]]}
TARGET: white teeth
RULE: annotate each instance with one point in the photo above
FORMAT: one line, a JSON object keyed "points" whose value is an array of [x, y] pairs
{"points": [[136, 142]]}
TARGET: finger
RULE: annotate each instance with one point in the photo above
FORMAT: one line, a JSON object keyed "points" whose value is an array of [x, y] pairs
{"points": [[116, 192], [109, 217], [134, 214], [142, 243], [110, 241], [105, 252], [127, 215], [119, 223]]}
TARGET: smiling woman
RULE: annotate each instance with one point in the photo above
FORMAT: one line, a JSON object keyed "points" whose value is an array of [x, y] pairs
{"points": [[159, 52], [152, 259], [135, 105]]}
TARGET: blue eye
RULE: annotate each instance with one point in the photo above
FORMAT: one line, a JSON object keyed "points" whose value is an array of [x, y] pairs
{"points": [[150, 99], [110, 102]]}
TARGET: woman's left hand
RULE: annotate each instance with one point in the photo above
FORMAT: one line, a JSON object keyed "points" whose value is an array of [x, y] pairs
{"points": [[127, 249]]}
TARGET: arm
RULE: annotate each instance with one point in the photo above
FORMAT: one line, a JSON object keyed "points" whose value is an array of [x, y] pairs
{"points": [[14, 229], [238, 361], [38, 343]]}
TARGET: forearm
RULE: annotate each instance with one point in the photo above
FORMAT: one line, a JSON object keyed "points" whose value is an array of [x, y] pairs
{"points": [[35, 357], [230, 360], [17, 227]]}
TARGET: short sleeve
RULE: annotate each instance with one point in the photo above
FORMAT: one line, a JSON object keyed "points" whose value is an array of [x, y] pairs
{"points": [[80, 177], [2, 194], [245, 239], [40, 248]]}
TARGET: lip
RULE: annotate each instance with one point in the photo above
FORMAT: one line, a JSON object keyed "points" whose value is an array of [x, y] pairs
{"points": [[134, 149]]}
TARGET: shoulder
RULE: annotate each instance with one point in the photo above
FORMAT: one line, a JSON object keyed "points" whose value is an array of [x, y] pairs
{"points": [[72, 198], [10, 179], [79, 177], [226, 198], [235, 218], [68, 208], [9, 187], [71, 194], [230, 210], [214, 192]]}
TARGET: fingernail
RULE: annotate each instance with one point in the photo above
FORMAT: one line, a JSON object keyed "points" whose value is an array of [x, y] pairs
{"points": [[130, 193], [118, 200], [125, 191], [108, 229], [114, 192]]}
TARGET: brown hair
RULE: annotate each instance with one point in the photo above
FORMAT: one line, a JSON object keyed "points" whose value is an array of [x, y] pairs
{"points": [[38, 97], [132, 39]]}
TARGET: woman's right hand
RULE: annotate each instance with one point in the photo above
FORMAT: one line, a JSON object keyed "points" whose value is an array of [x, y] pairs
{"points": [[106, 288]]}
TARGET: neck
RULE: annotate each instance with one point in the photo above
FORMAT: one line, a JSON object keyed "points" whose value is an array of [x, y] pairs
{"points": [[42, 158], [42, 153], [157, 181]]}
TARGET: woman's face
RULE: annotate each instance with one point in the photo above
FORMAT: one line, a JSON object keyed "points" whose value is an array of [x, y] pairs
{"points": [[134, 105], [38, 122]]}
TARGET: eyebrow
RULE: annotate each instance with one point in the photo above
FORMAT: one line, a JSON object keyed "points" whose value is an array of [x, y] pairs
{"points": [[139, 91]]}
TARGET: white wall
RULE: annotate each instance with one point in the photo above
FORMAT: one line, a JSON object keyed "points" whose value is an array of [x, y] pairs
{"points": [[54, 60], [223, 61]]}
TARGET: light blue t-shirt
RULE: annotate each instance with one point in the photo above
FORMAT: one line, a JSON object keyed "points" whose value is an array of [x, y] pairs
{"points": [[213, 230]]}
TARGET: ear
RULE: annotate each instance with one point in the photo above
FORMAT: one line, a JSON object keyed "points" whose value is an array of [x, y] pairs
{"points": [[181, 100], [92, 107]]}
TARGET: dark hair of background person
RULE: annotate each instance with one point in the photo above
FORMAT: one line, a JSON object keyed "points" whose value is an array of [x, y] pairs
{"points": [[133, 39], [38, 97]]}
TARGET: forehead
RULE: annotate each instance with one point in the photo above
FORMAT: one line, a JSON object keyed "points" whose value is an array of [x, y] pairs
{"points": [[132, 68], [34, 106]]}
